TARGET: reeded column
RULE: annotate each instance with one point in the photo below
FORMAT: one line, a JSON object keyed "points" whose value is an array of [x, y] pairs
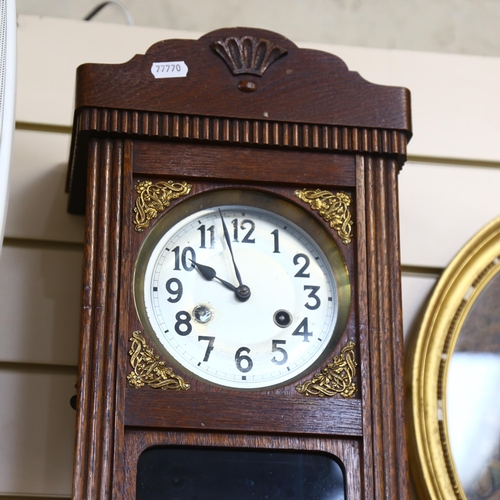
{"points": [[381, 330], [94, 457]]}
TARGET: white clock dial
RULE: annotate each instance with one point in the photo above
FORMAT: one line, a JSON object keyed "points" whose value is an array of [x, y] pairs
{"points": [[239, 296]]}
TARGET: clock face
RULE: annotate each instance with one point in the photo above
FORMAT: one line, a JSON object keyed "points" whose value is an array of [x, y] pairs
{"points": [[242, 290]]}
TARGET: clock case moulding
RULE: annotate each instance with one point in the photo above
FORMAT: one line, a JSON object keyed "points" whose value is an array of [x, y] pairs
{"points": [[254, 112]]}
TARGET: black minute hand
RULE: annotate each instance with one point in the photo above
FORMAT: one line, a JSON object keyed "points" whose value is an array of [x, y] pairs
{"points": [[228, 241]]}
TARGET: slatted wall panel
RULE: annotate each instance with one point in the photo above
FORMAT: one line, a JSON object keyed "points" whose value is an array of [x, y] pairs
{"points": [[448, 191]]}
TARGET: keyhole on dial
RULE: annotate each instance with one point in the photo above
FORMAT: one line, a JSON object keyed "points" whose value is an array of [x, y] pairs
{"points": [[283, 318], [202, 314]]}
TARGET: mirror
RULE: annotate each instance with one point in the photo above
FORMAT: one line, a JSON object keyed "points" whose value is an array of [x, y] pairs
{"points": [[454, 378]]}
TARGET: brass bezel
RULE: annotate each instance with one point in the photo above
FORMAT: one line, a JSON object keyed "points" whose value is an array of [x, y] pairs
{"points": [[257, 199], [429, 357]]}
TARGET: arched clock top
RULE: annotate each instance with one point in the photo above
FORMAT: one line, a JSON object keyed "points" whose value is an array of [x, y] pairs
{"points": [[319, 83]]}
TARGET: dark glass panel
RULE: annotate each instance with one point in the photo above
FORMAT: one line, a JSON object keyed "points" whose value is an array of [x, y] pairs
{"points": [[192, 473]]}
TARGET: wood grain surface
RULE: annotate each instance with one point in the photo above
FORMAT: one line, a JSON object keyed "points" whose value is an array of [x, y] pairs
{"points": [[309, 123]]}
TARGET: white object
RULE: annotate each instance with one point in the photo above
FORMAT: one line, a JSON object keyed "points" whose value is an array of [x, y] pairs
{"points": [[7, 100], [171, 69]]}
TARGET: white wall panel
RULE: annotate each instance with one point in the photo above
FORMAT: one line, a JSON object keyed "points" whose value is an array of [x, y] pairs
{"points": [[36, 428], [461, 26], [40, 291], [37, 207], [442, 207], [416, 290]]}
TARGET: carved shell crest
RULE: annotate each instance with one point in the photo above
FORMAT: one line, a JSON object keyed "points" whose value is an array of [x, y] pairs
{"points": [[248, 54]]}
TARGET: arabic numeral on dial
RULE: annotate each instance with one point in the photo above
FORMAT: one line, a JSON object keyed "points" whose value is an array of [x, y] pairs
{"points": [[174, 288], [303, 331], [298, 259], [276, 348], [210, 346], [243, 362], [234, 222], [276, 235], [312, 295], [203, 236], [186, 258], [183, 326], [243, 226]]}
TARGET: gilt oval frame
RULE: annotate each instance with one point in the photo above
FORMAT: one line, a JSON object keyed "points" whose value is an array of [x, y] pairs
{"points": [[433, 468]]}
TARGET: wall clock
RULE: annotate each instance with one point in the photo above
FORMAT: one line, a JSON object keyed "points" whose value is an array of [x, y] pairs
{"points": [[241, 320]]}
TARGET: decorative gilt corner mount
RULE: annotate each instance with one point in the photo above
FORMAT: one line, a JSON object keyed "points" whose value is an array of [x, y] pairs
{"points": [[248, 54], [336, 378], [147, 369], [334, 208], [154, 198]]}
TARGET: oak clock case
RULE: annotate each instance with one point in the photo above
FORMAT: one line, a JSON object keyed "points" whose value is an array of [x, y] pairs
{"points": [[242, 289]]}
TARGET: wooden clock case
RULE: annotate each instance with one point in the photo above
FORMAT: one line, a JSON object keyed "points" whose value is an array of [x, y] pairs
{"points": [[254, 112]]}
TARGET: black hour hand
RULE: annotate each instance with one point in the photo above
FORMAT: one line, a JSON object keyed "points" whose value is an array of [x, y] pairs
{"points": [[242, 292], [207, 272]]}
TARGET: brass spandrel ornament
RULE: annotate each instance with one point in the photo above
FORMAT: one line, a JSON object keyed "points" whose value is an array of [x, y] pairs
{"points": [[154, 198], [334, 208], [337, 378], [149, 370]]}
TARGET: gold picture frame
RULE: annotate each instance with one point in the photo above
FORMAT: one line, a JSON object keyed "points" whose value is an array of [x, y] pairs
{"points": [[462, 318]]}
